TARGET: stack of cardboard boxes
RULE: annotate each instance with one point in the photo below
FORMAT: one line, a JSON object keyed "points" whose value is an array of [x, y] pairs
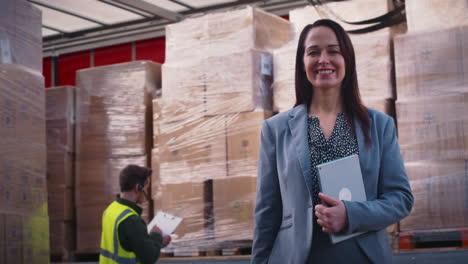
{"points": [[60, 127], [432, 86], [373, 53], [24, 222], [216, 93], [113, 130]]}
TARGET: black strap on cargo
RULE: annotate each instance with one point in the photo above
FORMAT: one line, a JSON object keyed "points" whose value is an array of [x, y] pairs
{"points": [[394, 17]]}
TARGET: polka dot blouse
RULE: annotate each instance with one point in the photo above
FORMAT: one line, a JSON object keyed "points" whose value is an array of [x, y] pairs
{"points": [[341, 143]]}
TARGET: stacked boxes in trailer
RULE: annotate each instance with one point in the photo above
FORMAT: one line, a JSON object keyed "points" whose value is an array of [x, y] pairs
{"points": [[432, 88], [216, 92], [24, 222]]}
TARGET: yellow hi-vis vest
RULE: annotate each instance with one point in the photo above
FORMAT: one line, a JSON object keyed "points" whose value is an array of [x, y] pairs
{"points": [[111, 251]]}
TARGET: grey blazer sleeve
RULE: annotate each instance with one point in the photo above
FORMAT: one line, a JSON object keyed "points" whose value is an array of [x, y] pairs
{"points": [[268, 207], [394, 199]]}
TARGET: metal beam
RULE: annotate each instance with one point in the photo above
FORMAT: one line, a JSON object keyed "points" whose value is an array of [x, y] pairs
{"points": [[141, 29], [183, 4], [54, 29], [66, 12], [124, 8], [152, 9]]}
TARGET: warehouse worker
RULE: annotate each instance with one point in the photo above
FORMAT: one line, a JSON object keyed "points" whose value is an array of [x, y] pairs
{"points": [[124, 236]]}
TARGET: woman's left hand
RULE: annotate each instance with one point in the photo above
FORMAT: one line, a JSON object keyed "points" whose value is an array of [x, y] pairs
{"points": [[333, 218]]}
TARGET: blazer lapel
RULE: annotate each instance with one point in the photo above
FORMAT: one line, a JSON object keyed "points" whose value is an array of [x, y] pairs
{"points": [[298, 127], [364, 153]]}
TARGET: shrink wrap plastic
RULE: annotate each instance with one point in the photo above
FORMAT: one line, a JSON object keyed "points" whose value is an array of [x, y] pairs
{"points": [[430, 15], [206, 174], [223, 33], [20, 34], [22, 148], [114, 127], [433, 128], [23, 190], [24, 235], [60, 128], [432, 107], [432, 63], [440, 189], [206, 129]]}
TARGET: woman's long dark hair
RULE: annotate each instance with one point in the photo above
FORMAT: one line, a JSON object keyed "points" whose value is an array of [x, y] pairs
{"points": [[352, 103]]}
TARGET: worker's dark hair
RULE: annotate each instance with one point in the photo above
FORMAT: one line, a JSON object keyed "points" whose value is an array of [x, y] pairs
{"points": [[133, 175], [350, 95]]}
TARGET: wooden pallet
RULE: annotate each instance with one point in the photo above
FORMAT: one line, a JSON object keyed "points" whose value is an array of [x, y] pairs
{"points": [[434, 239], [60, 257], [85, 257], [209, 248]]}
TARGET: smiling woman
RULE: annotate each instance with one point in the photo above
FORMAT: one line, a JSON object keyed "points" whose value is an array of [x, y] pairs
{"points": [[293, 219], [323, 62]]}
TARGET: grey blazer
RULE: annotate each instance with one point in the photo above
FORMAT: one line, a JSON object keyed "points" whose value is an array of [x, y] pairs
{"points": [[283, 210]]}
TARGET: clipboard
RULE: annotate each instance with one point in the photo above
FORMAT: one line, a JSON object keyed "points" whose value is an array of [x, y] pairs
{"points": [[342, 180], [166, 222]]}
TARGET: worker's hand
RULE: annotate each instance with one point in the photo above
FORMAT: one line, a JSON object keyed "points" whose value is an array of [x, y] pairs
{"points": [[333, 218], [156, 229], [166, 240]]}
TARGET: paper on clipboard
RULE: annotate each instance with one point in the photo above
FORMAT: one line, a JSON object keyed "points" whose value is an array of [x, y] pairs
{"points": [[166, 222]]}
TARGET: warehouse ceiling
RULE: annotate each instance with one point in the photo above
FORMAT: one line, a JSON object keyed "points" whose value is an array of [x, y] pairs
{"points": [[71, 25]]}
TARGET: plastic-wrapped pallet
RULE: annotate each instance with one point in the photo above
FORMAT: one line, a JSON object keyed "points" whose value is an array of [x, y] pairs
{"points": [[60, 127], [207, 175], [440, 189], [20, 34], [431, 15], [223, 33], [216, 93], [24, 222], [433, 128], [241, 81], [113, 130], [432, 63]]}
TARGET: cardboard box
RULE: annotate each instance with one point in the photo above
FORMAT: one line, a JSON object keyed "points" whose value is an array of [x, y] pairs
{"points": [[13, 231], [60, 118], [426, 64], [225, 32], [61, 204], [185, 200], [234, 202], [239, 82], [20, 35], [156, 121], [440, 189], [155, 174], [114, 108], [35, 239], [62, 238], [430, 15], [60, 168], [243, 143], [284, 93], [22, 129], [22, 106], [89, 227], [386, 106], [2, 239], [193, 150], [433, 128], [98, 180]]}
